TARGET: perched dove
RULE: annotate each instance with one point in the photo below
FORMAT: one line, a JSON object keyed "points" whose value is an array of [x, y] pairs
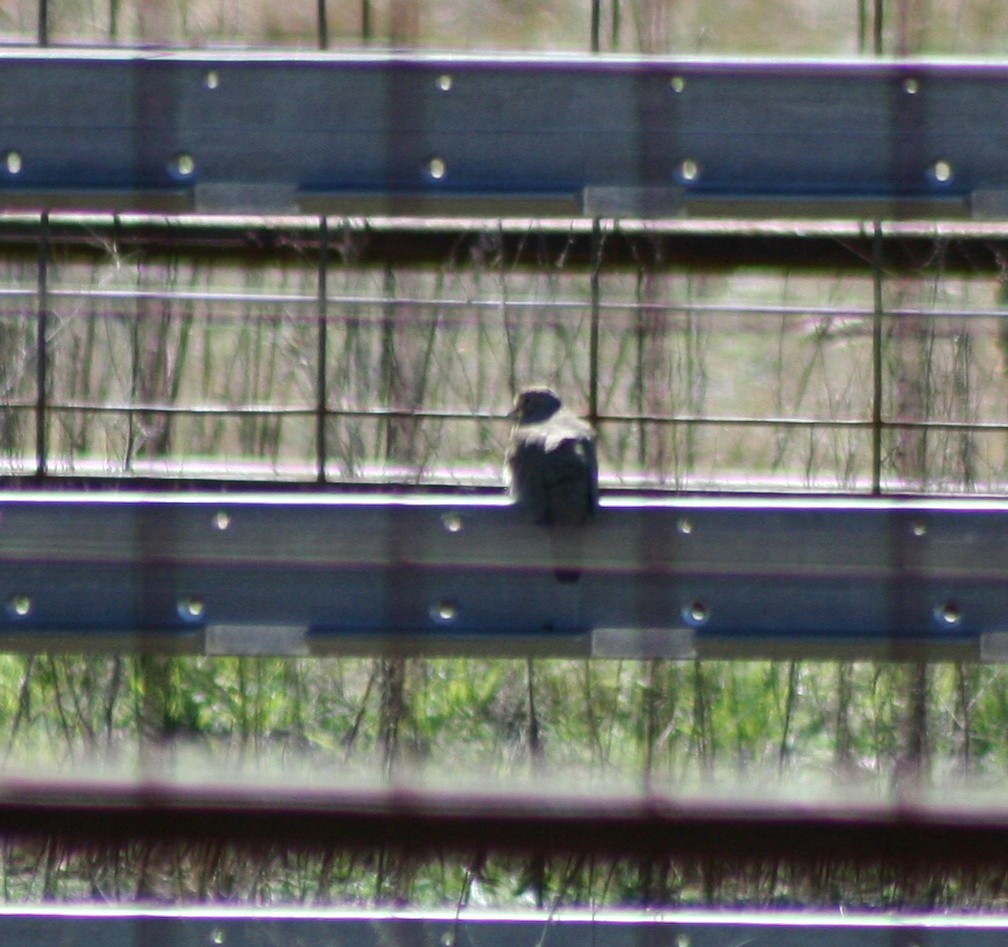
{"points": [[551, 464]]}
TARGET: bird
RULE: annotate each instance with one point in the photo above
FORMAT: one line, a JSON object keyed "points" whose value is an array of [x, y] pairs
{"points": [[552, 466]]}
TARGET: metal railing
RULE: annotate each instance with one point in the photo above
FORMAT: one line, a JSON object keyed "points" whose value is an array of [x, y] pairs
{"points": [[196, 927]]}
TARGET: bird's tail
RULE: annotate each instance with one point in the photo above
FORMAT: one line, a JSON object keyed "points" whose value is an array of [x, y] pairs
{"points": [[566, 550]]}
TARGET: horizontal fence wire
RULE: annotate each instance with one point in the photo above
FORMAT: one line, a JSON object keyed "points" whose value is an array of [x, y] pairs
{"points": [[693, 376]]}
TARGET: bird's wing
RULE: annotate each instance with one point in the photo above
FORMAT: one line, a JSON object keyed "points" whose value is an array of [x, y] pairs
{"points": [[591, 461], [527, 463]]}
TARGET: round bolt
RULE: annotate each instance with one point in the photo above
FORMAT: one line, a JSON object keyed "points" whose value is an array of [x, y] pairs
{"points": [[942, 171], [191, 608], [689, 170], [444, 611], [452, 522], [437, 168], [948, 613], [696, 613], [183, 165]]}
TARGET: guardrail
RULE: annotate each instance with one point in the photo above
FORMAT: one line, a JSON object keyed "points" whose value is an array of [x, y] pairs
{"points": [[82, 926], [319, 133], [310, 573], [411, 821]]}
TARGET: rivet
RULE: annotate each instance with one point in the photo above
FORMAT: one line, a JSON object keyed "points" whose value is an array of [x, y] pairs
{"points": [[191, 608], [696, 613], [452, 522], [437, 168], [183, 165], [444, 611], [948, 613], [942, 171], [689, 170]]}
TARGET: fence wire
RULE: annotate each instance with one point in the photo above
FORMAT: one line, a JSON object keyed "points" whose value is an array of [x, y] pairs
{"points": [[809, 27], [309, 365], [312, 366]]}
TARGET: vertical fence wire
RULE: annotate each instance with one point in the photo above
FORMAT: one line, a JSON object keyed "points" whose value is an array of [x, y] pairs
{"points": [[878, 307], [596, 259], [323, 25], [365, 21], [41, 350], [321, 389], [595, 313], [322, 395], [43, 23], [878, 301]]}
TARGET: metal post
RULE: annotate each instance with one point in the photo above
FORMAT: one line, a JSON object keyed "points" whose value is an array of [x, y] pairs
{"points": [[321, 405], [878, 312], [43, 23], [323, 25], [366, 21], [593, 338], [877, 257], [41, 351]]}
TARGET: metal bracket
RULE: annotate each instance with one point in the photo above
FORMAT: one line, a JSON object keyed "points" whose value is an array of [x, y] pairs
{"points": [[644, 644]]}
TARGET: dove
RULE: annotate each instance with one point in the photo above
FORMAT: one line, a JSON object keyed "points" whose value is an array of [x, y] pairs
{"points": [[551, 464]]}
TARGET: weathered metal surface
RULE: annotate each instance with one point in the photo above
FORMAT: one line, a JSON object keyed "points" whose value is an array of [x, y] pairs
{"points": [[86, 926], [284, 573], [265, 133]]}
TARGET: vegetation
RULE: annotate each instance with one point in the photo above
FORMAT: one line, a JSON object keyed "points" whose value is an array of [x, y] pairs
{"points": [[781, 730]]}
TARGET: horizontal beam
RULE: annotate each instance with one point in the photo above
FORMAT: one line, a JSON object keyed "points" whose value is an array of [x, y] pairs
{"points": [[86, 926], [217, 132], [669, 245], [309, 573], [415, 822]]}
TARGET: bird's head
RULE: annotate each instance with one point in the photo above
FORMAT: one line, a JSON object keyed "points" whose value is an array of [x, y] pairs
{"points": [[535, 405]]}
